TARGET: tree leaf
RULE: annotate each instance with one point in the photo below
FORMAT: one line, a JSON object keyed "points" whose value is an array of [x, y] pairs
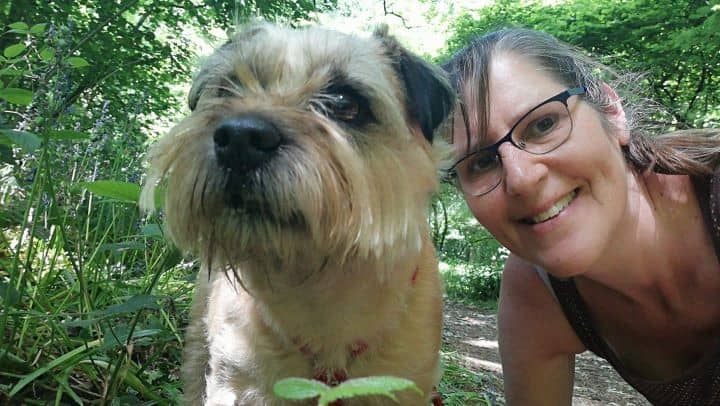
{"points": [[19, 26], [38, 29], [77, 62], [14, 50], [16, 95], [29, 142], [47, 54], [299, 388], [117, 190]]}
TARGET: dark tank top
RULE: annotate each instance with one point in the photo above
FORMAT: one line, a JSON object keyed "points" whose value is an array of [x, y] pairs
{"points": [[700, 384]]}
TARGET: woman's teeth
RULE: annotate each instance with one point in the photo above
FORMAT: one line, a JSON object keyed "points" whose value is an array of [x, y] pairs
{"points": [[555, 209]]}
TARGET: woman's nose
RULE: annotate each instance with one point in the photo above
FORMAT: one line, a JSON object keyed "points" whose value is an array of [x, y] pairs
{"points": [[523, 172]]}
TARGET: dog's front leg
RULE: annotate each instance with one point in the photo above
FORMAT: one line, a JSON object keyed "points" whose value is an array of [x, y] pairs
{"points": [[196, 351]]}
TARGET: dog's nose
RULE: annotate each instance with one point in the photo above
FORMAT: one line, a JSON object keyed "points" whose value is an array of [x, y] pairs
{"points": [[243, 143]]}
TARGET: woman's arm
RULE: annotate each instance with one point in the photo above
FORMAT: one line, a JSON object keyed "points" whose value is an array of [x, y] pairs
{"points": [[537, 344]]}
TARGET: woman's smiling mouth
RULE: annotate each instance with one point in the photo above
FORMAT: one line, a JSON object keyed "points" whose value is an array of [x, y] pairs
{"points": [[553, 211]]}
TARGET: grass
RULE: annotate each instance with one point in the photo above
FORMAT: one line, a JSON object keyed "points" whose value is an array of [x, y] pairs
{"points": [[463, 387], [99, 329]]}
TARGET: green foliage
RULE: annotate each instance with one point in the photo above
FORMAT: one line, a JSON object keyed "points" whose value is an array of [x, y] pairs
{"points": [[92, 298], [300, 388], [675, 42], [471, 258], [17, 96]]}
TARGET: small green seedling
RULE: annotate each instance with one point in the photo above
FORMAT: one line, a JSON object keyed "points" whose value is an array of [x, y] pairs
{"points": [[301, 388]]}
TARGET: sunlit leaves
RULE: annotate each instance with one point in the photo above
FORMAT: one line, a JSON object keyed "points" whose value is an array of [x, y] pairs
{"points": [[14, 50], [15, 95], [18, 27], [675, 43], [38, 29], [77, 62], [47, 54]]}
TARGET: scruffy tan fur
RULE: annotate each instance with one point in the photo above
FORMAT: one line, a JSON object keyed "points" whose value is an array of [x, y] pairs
{"points": [[326, 265]]}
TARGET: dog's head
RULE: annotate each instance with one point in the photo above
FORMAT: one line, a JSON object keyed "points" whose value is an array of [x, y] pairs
{"points": [[303, 141]]}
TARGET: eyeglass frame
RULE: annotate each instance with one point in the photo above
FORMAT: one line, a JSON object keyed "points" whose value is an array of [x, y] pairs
{"points": [[562, 97]]}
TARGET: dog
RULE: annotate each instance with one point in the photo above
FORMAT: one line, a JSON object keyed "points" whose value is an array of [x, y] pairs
{"points": [[301, 180]]}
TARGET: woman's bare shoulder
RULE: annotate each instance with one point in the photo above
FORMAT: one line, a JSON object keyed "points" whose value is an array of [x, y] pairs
{"points": [[527, 306]]}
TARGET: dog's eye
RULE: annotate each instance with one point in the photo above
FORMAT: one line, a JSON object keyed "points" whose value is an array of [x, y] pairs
{"points": [[224, 91], [344, 107], [228, 86], [343, 103]]}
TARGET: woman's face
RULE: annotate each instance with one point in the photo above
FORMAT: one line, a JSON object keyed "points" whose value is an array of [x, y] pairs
{"points": [[558, 210]]}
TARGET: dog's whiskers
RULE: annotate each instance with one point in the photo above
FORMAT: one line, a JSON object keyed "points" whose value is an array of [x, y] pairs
{"points": [[203, 195], [210, 249], [192, 193]]}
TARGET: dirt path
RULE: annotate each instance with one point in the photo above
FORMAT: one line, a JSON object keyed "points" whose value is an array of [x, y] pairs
{"points": [[473, 334]]}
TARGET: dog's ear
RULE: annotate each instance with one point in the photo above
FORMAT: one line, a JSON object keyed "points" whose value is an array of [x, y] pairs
{"points": [[430, 98]]}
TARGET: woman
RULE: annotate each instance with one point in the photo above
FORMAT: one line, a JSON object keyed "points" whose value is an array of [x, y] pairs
{"points": [[614, 235]]}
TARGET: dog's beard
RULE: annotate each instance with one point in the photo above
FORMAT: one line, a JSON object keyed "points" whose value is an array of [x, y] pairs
{"points": [[324, 194], [253, 197]]}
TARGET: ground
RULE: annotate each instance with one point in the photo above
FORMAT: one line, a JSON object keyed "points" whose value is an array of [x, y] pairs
{"points": [[472, 333]]}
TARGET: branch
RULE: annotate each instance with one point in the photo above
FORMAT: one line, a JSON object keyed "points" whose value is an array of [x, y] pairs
{"points": [[392, 13], [699, 88]]}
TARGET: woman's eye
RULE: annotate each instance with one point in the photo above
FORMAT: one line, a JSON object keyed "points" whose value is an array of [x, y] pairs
{"points": [[482, 162], [545, 124], [540, 127]]}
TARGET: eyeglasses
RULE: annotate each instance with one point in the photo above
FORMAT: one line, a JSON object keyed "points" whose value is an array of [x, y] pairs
{"points": [[541, 130]]}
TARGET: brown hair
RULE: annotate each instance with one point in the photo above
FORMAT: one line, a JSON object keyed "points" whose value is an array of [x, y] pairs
{"points": [[690, 152]]}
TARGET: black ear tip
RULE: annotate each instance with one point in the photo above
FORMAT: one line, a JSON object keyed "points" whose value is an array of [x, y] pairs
{"points": [[430, 97], [192, 102]]}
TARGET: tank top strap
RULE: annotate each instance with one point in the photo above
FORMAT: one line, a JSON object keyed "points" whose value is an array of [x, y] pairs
{"points": [[707, 190]]}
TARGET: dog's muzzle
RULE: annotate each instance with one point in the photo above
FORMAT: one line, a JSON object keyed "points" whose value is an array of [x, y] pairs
{"points": [[244, 143]]}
